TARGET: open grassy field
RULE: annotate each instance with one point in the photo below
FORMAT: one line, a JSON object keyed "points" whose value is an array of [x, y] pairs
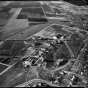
{"points": [[23, 35], [76, 43], [2, 67], [12, 77], [58, 28], [30, 4]]}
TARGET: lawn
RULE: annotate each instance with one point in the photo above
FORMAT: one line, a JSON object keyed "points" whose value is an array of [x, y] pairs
{"points": [[76, 44], [8, 43], [15, 4], [2, 67], [58, 28], [5, 10]]}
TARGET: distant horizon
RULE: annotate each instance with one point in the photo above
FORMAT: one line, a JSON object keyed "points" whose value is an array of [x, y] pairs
{"points": [[77, 2]]}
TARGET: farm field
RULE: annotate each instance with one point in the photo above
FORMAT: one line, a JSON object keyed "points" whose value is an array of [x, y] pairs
{"points": [[43, 44]]}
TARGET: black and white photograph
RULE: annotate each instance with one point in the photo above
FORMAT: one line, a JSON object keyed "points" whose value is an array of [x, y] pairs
{"points": [[44, 43]]}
